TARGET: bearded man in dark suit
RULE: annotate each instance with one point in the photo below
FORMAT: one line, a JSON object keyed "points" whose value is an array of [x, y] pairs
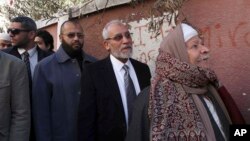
{"points": [[106, 101]]}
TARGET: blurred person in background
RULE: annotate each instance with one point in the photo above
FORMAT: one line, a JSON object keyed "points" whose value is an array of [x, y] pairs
{"points": [[44, 40], [4, 41]]}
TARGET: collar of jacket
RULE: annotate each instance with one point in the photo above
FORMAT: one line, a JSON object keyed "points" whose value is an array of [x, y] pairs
{"points": [[62, 56]]}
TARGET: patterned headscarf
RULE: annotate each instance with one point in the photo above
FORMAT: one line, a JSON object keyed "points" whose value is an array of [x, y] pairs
{"points": [[175, 110]]}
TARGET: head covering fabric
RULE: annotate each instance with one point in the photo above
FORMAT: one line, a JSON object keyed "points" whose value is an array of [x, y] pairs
{"points": [[188, 32], [5, 36], [175, 110]]}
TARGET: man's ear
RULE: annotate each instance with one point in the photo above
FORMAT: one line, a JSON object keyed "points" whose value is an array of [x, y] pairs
{"points": [[32, 34], [60, 38], [106, 45]]}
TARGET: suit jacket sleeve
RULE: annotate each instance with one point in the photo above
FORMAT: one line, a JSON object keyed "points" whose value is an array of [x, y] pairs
{"points": [[41, 97], [20, 103], [87, 110], [231, 106]]}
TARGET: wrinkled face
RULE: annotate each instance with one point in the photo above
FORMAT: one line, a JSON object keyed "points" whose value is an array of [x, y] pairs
{"points": [[41, 44], [20, 37], [72, 36], [4, 44], [119, 43], [198, 53]]}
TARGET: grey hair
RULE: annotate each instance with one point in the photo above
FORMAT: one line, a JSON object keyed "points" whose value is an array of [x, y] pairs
{"points": [[105, 31]]}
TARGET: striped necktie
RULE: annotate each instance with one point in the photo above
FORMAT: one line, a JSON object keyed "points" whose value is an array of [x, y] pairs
{"points": [[130, 91], [27, 62]]}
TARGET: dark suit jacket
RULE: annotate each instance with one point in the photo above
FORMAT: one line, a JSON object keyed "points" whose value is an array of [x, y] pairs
{"points": [[40, 53], [140, 123], [101, 115]]}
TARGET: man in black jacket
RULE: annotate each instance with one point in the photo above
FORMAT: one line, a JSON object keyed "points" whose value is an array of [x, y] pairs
{"points": [[22, 31], [109, 89]]}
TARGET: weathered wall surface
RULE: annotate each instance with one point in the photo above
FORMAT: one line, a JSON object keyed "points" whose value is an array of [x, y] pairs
{"points": [[226, 27]]}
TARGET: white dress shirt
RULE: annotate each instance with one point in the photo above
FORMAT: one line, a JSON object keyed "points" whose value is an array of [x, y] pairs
{"points": [[33, 57], [119, 74]]}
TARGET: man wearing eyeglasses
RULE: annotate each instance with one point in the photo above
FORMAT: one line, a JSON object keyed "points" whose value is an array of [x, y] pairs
{"points": [[110, 88], [57, 86], [22, 31]]}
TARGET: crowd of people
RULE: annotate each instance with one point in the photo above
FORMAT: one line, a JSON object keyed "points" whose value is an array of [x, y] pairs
{"points": [[69, 95]]}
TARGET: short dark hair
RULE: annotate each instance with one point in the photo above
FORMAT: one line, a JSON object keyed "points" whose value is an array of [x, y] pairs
{"points": [[26, 22], [47, 38]]}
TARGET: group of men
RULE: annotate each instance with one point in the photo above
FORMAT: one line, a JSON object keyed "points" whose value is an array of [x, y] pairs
{"points": [[68, 95]]}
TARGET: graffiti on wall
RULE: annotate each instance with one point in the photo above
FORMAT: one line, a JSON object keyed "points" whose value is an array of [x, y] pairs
{"points": [[219, 35], [216, 35], [146, 44]]}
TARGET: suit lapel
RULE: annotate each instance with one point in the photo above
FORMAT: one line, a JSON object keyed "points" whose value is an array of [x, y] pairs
{"points": [[13, 51], [139, 75], [110, 80]]}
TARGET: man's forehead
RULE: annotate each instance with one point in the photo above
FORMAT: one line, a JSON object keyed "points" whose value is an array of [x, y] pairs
{"points": [[15, 24], [116, 29], [72, 27]]}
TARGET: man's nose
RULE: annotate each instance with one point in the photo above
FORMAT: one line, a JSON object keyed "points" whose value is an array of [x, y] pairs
{"points": [[126, 39]]}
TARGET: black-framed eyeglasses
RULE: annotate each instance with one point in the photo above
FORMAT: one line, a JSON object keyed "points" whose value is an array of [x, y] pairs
{"points": [[119, 36], [73, 34], [15, 31]]}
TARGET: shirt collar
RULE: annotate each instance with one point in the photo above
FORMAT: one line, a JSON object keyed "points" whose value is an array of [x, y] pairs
{"points": [[118, 63], [31, 51]]}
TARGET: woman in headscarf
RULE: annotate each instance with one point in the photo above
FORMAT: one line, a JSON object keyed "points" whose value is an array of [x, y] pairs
{"points": [[185, 100]]}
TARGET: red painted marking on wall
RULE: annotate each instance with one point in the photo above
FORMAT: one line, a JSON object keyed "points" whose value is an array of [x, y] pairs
{"points": [[234, 36], [246, 38]]}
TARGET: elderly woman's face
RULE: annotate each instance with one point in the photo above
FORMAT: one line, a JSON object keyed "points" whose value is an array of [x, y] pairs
{"points": [[198, 53]]}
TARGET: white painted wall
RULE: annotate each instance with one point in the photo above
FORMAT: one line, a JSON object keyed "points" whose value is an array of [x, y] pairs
{"points": [[146, 45]]}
